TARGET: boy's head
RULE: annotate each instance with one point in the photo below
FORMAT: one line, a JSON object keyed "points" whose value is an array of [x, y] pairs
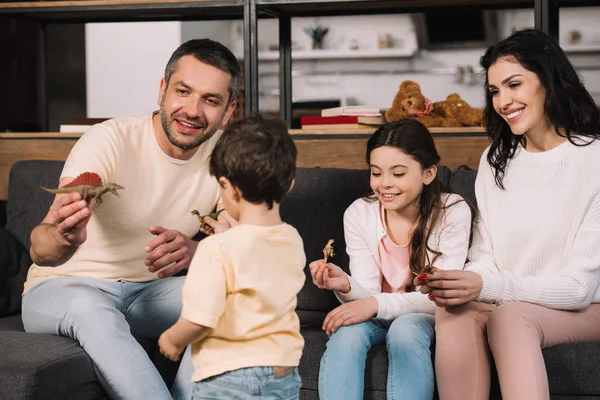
{"points": [[255, 159]]}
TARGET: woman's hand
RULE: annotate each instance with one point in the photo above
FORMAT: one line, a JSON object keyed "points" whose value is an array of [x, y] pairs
{"points": [[351, 313], [451, 287], [329, 276]]}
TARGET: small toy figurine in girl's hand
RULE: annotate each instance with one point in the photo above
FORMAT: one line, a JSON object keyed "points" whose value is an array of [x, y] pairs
{"points": [[213, 215], [428, 269], [328, 250]]}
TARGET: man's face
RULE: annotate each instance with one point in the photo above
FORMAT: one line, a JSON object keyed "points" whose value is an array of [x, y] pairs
{"points": [[193, 106]]}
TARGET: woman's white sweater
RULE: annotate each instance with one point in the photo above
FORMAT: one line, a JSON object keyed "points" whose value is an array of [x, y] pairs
{"points": [[538, 240]]}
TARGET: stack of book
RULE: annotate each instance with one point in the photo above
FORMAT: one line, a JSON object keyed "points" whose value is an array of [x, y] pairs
{"points": [[347, 117]]}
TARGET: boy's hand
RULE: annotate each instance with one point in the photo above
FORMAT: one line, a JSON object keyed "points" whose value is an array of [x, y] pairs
{"points": [[329, 276], [169, 349], [221, 224]]}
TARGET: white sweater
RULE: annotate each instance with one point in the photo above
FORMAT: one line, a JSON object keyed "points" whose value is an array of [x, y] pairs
{"points": [[363, 230], [538, 241]]}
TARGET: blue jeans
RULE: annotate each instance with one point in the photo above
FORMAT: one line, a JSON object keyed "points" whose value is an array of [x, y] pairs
{"points": [[410, 371], [249, 383], [106, 318]]}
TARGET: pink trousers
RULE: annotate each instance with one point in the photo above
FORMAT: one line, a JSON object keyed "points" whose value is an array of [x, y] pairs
{"points": [[515, 333]]}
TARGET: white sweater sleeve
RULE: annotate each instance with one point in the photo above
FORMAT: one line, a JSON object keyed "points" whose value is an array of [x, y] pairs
{"points": [[365, 279], [573, 289], [481, 255], [453, 234]]}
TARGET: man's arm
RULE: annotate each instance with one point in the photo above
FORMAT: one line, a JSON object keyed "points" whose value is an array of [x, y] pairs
{"points": [[63, 230]]}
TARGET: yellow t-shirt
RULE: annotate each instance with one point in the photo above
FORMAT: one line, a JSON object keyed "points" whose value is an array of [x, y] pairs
{"points": [[159, 190], [244, 283]]}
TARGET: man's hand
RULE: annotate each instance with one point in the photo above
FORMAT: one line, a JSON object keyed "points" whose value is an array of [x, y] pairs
{"points": [[223, 222], [70, 215], [452, 287], [329, 276], [169, 247], [169, 349], [351, 313]]}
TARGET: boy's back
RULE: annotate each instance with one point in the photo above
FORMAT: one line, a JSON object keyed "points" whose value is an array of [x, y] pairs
{"points": [[244, 282]]}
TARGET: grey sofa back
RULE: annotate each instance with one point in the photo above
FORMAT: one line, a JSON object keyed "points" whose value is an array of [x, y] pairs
{"points": [[315, 206]]}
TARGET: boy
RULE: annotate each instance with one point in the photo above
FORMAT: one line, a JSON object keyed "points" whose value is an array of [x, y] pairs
{"points": [[239, 297]]}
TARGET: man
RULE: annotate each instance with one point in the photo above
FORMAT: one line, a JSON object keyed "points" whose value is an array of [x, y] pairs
{"points": [[102, 274]]}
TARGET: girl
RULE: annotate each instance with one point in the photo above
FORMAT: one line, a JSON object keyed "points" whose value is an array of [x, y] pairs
{"points": [[404, 226], [534, 271]]}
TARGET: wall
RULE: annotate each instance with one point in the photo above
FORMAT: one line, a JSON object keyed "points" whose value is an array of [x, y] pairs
{"points": [[124, 65]]}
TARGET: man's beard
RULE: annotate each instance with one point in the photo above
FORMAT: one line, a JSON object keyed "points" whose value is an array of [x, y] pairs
{"points": [[189, 145]]}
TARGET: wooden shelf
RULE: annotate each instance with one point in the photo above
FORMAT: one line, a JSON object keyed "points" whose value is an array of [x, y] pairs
{"points": [[470, 130], [124, 10]]}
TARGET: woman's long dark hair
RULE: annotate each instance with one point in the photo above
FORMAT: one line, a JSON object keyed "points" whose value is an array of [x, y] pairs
{"points": [[568, 105], [414, 139]]}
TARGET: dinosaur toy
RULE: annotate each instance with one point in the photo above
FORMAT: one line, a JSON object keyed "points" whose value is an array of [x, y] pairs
{"points": [[328, 250], [213, 215], [89, 185]]}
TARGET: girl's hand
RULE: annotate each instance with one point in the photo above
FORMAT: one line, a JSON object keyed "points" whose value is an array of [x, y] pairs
{"points": [[329, 276], [351, 313], [452, 287], [169, 349]]}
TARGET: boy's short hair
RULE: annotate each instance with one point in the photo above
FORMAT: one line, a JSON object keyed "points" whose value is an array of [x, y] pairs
{"points": [[258, 156]]}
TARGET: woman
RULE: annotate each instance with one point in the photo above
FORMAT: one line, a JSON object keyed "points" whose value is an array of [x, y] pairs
{"points": [[534, 266]]}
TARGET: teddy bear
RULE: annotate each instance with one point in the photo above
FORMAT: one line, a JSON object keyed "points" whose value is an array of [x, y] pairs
{"points": [[453, 112]]}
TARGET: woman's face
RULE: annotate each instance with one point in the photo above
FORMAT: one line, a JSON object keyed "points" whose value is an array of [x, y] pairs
{"points": [[518, 96]]}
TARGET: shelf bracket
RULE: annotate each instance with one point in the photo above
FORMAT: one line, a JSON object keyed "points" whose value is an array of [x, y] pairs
{"points": [[546, 17], [285, 68], [250, 58]]}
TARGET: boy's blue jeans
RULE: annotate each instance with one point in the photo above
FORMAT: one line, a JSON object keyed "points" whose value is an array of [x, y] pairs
{"points": [[249, 383], [410, 370], [106, 317]]}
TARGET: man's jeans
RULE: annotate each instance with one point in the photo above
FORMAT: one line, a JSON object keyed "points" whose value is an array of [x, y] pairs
{"points": [[106, 318], [249, 383], [410, 369]]}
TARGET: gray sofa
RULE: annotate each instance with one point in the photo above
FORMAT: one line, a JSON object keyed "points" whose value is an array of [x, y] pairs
{"points": [[38, 366]]}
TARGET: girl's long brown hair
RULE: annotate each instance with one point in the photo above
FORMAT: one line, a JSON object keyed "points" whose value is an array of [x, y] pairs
{"points": [[414, 139]]}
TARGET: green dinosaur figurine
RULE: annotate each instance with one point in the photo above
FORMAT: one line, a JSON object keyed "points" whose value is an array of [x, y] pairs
{"points": [[213, 215]]}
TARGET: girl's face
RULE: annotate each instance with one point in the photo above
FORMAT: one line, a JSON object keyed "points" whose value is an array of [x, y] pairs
{"points": [[518, 96], [397, 179]]}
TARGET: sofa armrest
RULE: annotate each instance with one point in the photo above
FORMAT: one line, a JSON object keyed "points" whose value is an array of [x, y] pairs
{"points": [[13, 271]]}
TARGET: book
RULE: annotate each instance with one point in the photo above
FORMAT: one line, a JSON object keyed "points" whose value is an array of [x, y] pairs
{"points": [[374, 120], [351, 110], [66, 128]]}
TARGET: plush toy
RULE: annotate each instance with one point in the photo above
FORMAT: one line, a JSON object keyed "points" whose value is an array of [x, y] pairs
{"points": [[410, 102]]}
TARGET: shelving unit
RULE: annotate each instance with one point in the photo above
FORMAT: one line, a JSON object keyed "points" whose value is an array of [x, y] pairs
{"points": [[337, 54], [80, 11]]}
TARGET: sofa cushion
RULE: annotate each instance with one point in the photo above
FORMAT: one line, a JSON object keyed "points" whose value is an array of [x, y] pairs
{"points": [[14, 263], [462, 182], [315, 207], [27, 203], [40, 366]]}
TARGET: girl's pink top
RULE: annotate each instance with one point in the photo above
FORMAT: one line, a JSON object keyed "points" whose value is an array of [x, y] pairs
{"points": [[394, 261]]}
